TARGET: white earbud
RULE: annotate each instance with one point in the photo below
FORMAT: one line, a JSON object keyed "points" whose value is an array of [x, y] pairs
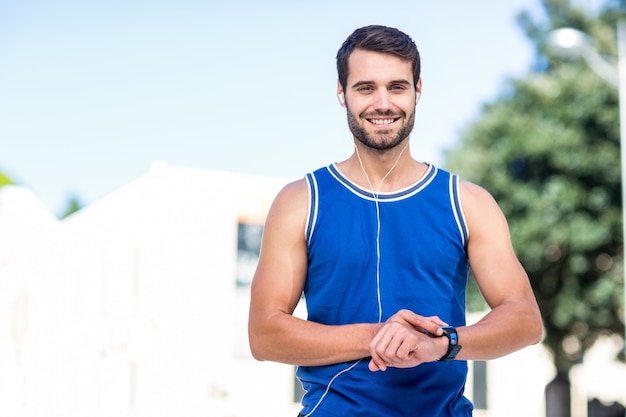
{"points": [[342, 100], [417, 97]]}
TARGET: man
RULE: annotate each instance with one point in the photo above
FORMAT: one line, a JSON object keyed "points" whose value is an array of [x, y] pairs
{"points": [[380, 245]]}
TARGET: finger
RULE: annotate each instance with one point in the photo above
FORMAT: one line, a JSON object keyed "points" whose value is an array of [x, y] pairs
{"points": [[393, 349], [385, 344], [434, 326], [387, 347], [405, 352], [438, 321], [374, 367], [427, 325], [377, 363]]}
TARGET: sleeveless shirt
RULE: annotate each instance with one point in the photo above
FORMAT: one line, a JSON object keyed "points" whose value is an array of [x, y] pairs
{"points": [[368, 257]]}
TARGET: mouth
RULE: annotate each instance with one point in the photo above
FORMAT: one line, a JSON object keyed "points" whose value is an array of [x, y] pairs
{"points": [[383, 122]]}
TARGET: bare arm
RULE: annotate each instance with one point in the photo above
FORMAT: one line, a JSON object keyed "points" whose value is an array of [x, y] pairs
{"points": [[274, 333], [514, 320]]}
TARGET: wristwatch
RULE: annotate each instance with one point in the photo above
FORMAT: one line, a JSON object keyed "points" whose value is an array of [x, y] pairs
{"points": [[453, 343]]}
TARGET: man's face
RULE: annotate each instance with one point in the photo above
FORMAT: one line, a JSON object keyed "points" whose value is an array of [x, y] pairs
{"points": [[380, 98]]}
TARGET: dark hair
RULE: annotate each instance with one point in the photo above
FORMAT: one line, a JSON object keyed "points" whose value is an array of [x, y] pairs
{"points": [[377, 38]]}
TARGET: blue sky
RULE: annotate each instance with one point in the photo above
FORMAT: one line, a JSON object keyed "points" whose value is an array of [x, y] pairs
{"points": [[92, 93]]}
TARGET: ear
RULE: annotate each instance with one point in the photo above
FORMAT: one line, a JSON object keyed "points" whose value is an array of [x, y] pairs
{"points": [[418, 90], [340, 95]]}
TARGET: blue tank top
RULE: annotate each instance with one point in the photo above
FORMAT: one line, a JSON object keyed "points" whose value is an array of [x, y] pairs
{"points": [[422, 267]]}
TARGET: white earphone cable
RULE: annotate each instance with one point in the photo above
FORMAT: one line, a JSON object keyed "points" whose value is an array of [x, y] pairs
{"points": [[378, 226], [380, 306]]}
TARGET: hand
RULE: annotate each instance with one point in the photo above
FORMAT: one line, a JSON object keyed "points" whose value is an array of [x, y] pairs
{"points": [[403, 341]]}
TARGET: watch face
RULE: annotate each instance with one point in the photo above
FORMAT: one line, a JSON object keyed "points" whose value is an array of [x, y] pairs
{"points": [[454, 339]]}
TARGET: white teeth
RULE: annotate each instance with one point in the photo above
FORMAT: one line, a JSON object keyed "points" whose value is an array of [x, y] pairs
{"points": [[382, 121]]}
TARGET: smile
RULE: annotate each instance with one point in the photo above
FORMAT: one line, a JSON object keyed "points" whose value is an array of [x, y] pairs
{"points": [[381, 122]]}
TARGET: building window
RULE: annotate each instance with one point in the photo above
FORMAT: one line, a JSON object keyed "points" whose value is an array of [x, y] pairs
{"points": [[248, 249]]}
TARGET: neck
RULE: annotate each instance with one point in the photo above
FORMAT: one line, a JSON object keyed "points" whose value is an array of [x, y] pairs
{"points": [[382, 170]]}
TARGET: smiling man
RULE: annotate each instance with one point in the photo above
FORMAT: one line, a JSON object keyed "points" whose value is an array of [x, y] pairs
{"points": [[381, 246], [375, 94]]}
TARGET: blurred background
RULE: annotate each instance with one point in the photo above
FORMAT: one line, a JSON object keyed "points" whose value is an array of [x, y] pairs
{"points": [[94, 92], [141, 145]]}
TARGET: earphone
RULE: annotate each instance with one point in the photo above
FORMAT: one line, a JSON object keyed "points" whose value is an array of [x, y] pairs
{"points": [[417, 96], [375, 197]]}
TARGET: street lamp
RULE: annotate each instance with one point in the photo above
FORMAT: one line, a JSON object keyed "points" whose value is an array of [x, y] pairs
{"points": [[572, 43]]}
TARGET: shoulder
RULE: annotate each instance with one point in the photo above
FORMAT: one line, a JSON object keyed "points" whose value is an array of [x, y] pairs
{"points": [[472, 194], [293, 194], [473, 197], [290, 206], [297, 194], [482, 212]]}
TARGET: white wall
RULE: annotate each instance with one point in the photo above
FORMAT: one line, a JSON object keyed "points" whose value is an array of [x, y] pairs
{"points": [[128, 306]]}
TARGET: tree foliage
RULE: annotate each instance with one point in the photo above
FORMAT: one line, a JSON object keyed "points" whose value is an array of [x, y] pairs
{"points": [[73, 205], [4, 180], [548, 149]]}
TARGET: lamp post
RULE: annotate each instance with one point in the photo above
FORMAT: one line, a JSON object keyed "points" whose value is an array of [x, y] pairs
{"points": [[569, 42]]}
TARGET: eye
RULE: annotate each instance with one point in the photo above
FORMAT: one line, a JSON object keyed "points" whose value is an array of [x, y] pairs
{"points": [[398, 87], [365, 89]]}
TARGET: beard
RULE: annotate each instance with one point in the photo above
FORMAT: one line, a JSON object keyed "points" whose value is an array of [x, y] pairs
{"points": [[384, 139]]}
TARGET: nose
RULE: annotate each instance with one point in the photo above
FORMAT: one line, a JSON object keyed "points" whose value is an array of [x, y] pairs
{"points": [[382, 100]]}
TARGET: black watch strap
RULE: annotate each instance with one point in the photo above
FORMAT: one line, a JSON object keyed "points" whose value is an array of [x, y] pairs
{"points": [[453, 343]]}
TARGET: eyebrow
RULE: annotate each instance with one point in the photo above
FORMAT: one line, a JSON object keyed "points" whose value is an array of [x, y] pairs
{"points": [[361, 83]]}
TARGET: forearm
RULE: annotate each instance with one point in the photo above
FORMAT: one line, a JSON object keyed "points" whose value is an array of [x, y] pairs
{"points": [[505, 329], [288, 339]]}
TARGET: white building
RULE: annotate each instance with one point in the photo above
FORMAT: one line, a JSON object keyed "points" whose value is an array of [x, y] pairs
{"points": [[137, 306]]}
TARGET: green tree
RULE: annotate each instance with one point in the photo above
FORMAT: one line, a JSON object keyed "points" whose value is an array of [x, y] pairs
{"points": [[548, 149], [4, 180], [73, 205]]}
